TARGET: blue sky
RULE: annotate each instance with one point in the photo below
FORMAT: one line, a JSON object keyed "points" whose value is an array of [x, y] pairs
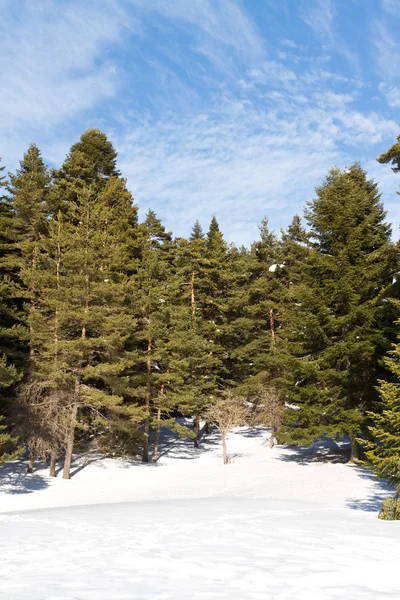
{"points": [[236, 108]]}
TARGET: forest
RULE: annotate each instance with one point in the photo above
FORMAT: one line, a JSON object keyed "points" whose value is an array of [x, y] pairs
{"points": [[111, 327]]}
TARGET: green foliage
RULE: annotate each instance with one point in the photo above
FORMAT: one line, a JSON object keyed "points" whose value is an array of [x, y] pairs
{"points": [[343, 323], [383, 445], [390, 510], [110, 328]]}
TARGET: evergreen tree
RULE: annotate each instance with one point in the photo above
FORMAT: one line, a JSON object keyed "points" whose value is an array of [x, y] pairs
{"points": [[11, 316], [149, 292], [91, 161], [383, 447], [197, 232], [258, 314], [84, 325], [342, 324], [29, 188], [197, 349]]}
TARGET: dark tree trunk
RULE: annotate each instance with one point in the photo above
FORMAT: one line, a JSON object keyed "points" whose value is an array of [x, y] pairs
{"points": [[355, 449], [53, 459], [156, 441], [31, 462], [69, 443], [145, 455], [196, 428]]}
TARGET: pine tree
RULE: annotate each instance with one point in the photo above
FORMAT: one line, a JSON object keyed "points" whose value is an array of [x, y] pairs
{"points": [[197, 232], [342, 324], [84, 325], [258, 315], [197, 349], [383, 447], [28, 189], [91, 161], [11, 317], [149, 292]]}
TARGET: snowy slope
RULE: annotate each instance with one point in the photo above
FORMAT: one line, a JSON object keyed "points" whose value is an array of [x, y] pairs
{"points": [[279, 523]]}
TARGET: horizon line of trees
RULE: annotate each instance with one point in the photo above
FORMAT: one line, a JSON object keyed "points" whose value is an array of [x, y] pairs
{"points": [[110, 328]]}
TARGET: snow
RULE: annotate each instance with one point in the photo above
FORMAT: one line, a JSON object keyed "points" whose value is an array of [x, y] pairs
{"points": [[285, 523], [273, 267]]}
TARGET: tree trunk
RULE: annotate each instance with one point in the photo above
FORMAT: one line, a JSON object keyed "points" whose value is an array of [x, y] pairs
{"points": [[196, 428], [272, 439], [272, 325], [192, 296], [32, 292], [69, 442], [156, 441], [145, 456], [53, 459], [355, 449], [31, 462], [224, 450]]}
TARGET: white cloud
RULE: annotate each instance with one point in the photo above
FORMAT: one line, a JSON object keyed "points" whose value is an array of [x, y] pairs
{"points": [[217, 28], [320, 16], [256, 138], [392, 7], [52, 59], [387, 53], [242, 160], [289, 43], [391, 93]]}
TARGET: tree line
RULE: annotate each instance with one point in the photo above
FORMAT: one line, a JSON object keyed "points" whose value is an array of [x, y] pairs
{"points": [[110, 327]]}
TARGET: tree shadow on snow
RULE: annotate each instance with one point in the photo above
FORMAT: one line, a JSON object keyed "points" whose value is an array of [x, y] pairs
{"points": [[374, 501], [15, 480], [330, 451], [325, 451], [174, 446], [252, 432]]}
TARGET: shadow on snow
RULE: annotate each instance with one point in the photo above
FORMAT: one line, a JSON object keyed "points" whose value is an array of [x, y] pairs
{"points": [[14, 479], [330, 451]]}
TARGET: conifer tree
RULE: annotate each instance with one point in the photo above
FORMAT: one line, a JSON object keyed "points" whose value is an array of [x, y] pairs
{"points": [[84, 324], [203, 277], [258, 314], [383, 447], [29, 188], [12, 339], [197, 232], [149, 291], [342, 319], [91, 161]]}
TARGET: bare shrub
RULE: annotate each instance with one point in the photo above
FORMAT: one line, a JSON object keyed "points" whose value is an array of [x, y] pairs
{"points": [[226, 412], [267, 409], [40, 422]]}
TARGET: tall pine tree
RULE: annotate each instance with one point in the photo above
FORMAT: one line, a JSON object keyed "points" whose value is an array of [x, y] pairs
{"points": [[342, 319]]}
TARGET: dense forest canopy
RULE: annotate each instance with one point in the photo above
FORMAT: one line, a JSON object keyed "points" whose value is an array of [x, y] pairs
{"points": [[111, 328]]}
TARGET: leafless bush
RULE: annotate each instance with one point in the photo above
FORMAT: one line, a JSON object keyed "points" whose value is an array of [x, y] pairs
{"points": [[267, 409], [227, 411], [40, 421]]}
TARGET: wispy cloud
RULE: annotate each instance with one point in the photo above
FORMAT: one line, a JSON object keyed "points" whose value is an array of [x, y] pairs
{"points": [[320, 16], [391, 93], [214, 25], [209, 112], [392, 7], [241, 160], [52, 59], [387, 50]]}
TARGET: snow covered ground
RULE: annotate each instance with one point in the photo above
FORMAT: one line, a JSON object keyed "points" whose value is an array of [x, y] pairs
{"points": [[282, 524]]}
